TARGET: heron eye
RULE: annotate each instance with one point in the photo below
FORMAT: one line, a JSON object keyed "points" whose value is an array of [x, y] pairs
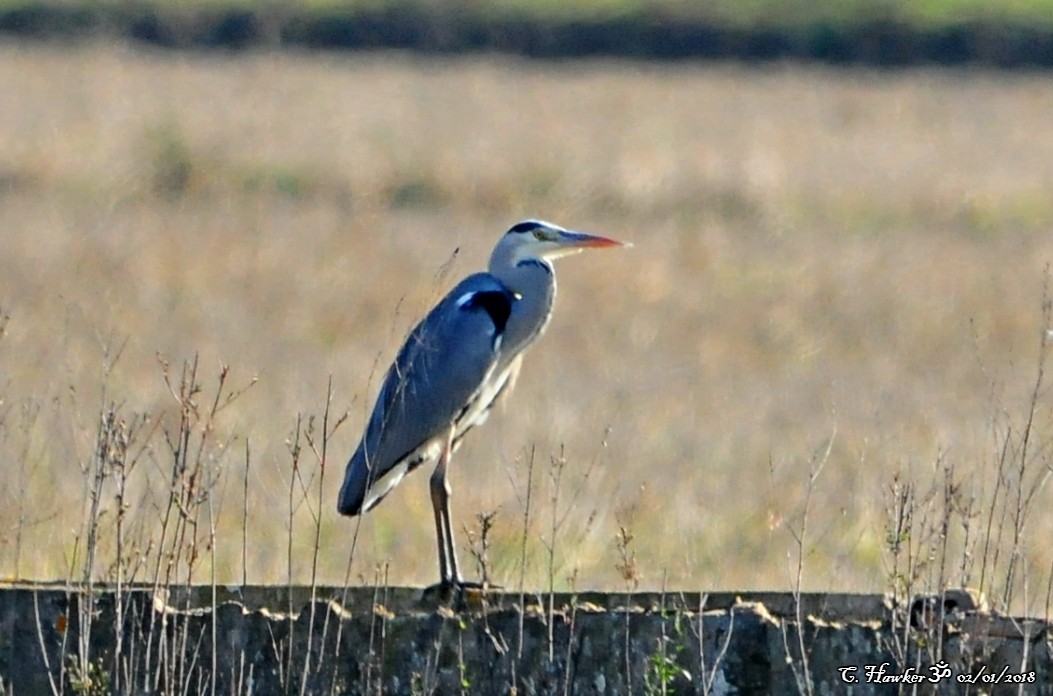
{"points": [[539, 234]]}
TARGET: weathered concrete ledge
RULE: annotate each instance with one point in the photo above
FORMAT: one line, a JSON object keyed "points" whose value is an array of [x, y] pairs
{"points": [[391, 640]]}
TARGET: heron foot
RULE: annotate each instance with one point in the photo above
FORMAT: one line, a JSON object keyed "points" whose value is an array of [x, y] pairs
{"points": [[460, 595]]}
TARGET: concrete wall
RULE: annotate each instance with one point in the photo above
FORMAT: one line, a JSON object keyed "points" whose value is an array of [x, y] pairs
{"points": [[398, 641]]}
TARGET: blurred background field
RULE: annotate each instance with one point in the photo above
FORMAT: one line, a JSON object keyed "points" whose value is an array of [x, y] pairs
{"points": [[829, 265]]}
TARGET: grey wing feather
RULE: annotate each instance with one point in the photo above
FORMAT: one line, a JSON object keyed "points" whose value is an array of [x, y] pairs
{"points": [[438, 373]]}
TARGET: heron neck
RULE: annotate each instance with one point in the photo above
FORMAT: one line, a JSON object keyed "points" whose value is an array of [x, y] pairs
{"points": [[534, 282]]}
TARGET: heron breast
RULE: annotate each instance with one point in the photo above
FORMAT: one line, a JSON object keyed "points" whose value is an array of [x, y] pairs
{"points": [[478, 410]]}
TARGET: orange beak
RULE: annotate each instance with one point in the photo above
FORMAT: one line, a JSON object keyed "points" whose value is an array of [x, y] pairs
{"points": [[585, 241]]}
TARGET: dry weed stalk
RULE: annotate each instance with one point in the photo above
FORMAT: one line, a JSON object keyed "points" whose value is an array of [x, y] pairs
{"points": [[479, 544], [160, 652], [320, 450], [801, 539], [525, 501], [630, 574], [958, 527], [708, 674]]}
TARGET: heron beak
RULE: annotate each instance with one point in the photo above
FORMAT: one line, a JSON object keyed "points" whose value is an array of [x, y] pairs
{"points": [[580, 240]]}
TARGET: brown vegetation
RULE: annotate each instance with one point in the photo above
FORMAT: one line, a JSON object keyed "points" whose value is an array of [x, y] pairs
{"points": [[818, 254]]}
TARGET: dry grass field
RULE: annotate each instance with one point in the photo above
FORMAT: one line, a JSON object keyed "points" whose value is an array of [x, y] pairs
{"points": [[837, 273]]}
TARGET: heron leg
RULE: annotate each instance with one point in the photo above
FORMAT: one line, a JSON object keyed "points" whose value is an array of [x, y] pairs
{"points": [[451, 547], [440, 501], [440, 537]]}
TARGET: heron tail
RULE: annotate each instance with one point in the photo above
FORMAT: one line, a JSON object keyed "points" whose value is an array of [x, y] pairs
{"points": [[353, 490]]}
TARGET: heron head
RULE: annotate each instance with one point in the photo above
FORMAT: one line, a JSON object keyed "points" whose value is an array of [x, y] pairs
{"points": [[537, 239]]}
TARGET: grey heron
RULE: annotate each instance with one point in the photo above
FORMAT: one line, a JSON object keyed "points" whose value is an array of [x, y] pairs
{"points": [[462, 357]]}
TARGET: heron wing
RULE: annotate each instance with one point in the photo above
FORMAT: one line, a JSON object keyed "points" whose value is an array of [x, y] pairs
{"points": [[441, 370]]}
